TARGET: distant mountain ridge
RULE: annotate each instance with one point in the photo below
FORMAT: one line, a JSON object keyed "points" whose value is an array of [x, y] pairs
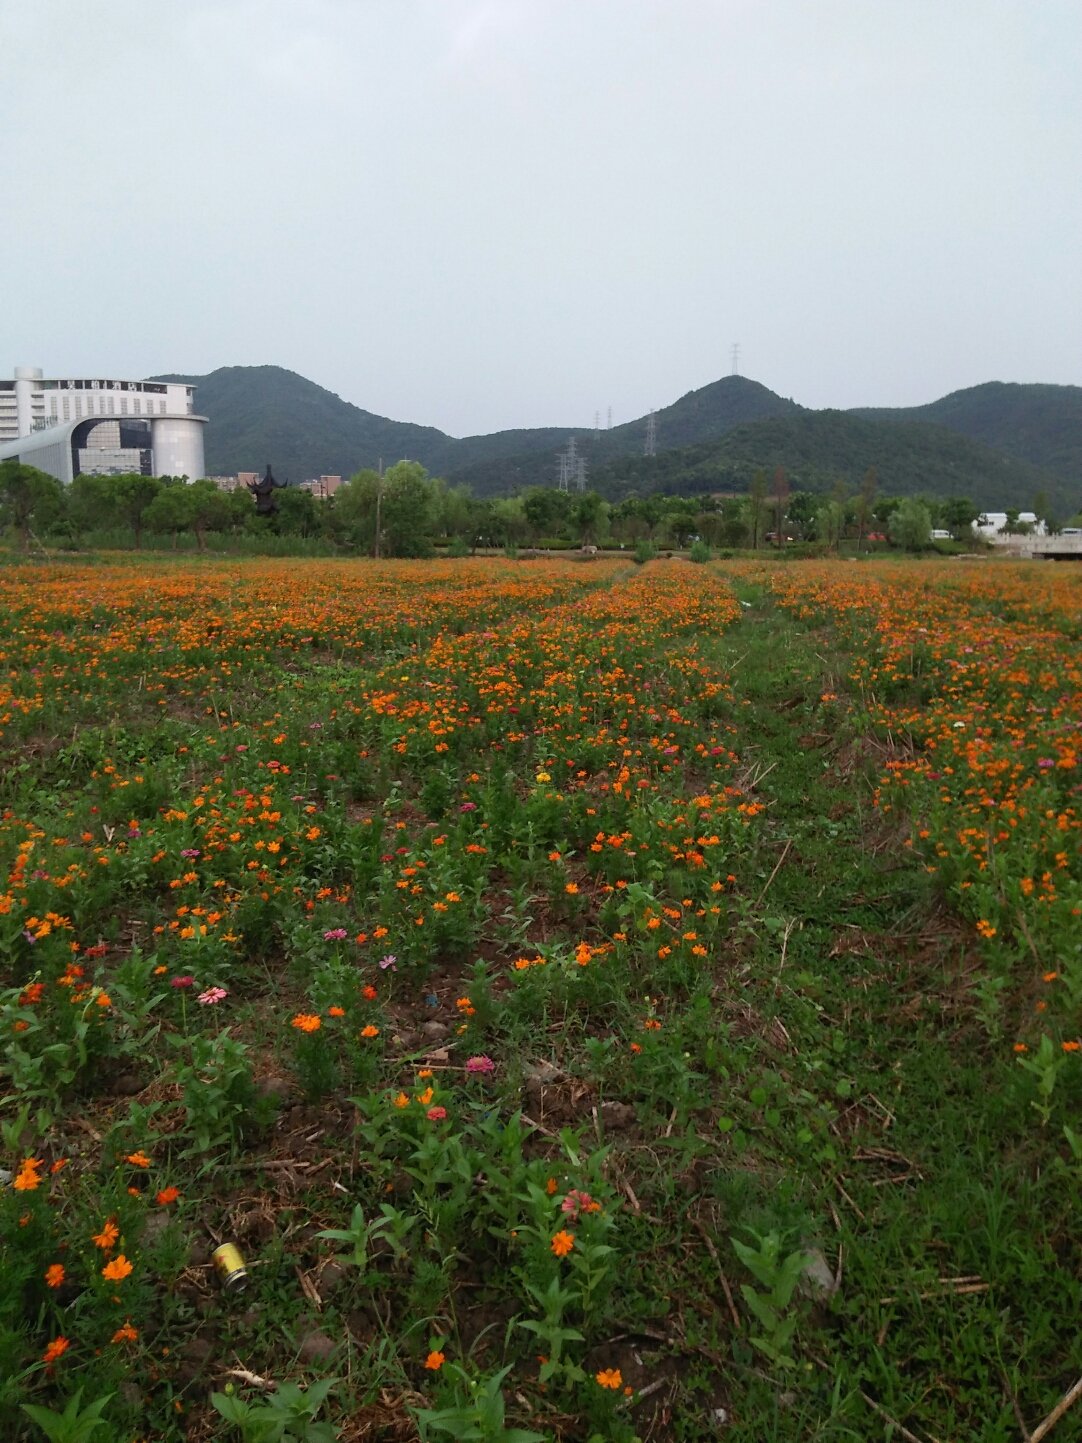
{"points": [[819, 448], [1037, 423], [261, 413]]}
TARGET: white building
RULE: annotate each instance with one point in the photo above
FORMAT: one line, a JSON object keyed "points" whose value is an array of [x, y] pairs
{"points": [[990, 524], [101, 427]]}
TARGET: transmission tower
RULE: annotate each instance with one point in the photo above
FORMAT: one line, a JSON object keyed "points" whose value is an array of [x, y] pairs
{"points": [[610, 418], [597, 425], [572, 467], [650, 449], [736, 358]]}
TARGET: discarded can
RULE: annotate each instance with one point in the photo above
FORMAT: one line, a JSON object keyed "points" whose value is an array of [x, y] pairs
{"points": [[230, 1265]]}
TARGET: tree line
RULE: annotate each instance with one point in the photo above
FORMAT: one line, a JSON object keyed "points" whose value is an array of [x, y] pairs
{"points": [[405, 512]]}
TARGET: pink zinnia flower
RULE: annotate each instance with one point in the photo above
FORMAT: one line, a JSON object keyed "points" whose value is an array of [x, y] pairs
{"points": [[212, 995], [436, 1114], [480, 1064], [336, 934], [182, 982]]}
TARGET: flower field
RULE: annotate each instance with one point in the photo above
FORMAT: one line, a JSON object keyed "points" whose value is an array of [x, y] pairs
{"points": [[596, 1002]]}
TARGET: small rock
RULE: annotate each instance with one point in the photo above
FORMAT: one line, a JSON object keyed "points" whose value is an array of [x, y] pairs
{"points": [[127, 1084], [155, 1225], [616, 1115], [315, 1347], [331, 1277], [816, 1278], [253, 1225], [197, 1349], [542, 1072], [199, 1253], [434, 1030], [279, 1089]]}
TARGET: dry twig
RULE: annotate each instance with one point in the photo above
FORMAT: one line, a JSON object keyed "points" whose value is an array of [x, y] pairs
{"points": [[1045, 1426]]}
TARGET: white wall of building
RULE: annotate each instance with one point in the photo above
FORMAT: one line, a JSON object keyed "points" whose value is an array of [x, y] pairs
{"points": [[33, 402]]}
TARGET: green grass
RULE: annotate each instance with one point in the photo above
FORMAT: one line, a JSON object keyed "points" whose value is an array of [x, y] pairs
{"points": [[820, 1081]]}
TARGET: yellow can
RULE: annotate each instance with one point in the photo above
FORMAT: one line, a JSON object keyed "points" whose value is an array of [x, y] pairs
{"points": [[230, 1265]]}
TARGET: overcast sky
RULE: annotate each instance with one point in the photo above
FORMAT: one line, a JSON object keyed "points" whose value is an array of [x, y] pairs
{"points": [[479, 214]]}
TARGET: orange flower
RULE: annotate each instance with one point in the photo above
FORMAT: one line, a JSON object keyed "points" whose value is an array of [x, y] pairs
{"points": [[609, 1377], [336, 1012], [307, 1022], [117, 1270], [138, 1159], [1072, 1046], [369, 993], [401, 1100], [126, 1334], [54, 1350], [370, 1031], [550, 1186], [166, 1196], [435, 1361], [107, 1237], [28, 1179], [54, 1275], [562, 1243]]}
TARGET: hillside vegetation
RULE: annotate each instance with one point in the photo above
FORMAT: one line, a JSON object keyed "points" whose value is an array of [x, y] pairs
{"points": [[1041, 424], [819, 448], [1003, 445]]}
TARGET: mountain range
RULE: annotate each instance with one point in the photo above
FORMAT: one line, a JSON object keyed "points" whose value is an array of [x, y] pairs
{"points": [[1001, 444]]}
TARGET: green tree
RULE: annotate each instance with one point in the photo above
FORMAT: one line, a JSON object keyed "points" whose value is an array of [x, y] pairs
{"points": [[802, 506], [408, 511], [910, 524], [134, 494], [587, 516], [169, 513], [92, 503], [509, 524], [733, 523], [959, 513], [30, 500], [351, 518], [209, 510], [547, 510], [830, 522], [297, 512]]}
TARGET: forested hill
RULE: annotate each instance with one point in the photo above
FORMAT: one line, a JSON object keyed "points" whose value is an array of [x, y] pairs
{"points": [[819, 448], [712, 438], [1041, 424], [265, 413]]}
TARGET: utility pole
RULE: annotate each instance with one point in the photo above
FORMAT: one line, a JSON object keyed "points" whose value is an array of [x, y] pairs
{"points": [[650, 449]]}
